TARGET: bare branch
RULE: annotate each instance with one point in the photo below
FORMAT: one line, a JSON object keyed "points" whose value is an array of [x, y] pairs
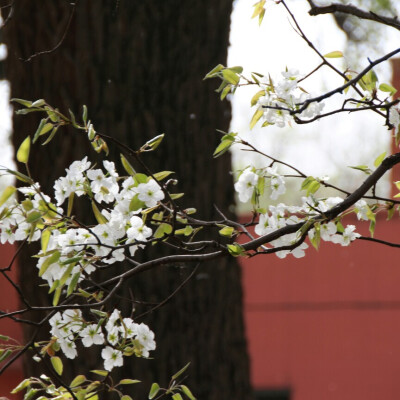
{"points": [[352, 10]]}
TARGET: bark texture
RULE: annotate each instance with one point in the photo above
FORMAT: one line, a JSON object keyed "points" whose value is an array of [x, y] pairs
{"points": [[138, 66]]}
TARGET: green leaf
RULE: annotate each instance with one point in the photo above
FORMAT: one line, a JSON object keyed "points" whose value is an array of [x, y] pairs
{"points": [[236, 250], [51, 136], [255, 98], [363, 168], [66, 274], [379, 159], [227, 231], [23, 151], [4, 354], [153, 390], [127, 166], [57, 365], [128, 381], [21, 386], [84, 114], [19, 176], [175, 196], [162, 230], [141, 178], [256, 116], [49, 261], [38, 103], [180, 372], [334, 54], [214, 72], [44, 240], [159, 176], [126, 397], [187, 231], [152, 144], [99, 372], [316, 240], [177, 396], [226, 91], [42, 129], [54, 286], [4, 337], [25, 103], [33, 216], [385, 87], [73, 283], [372, 228], [77, 381], [230, 76], [56, 297], [223, 147], [101, 219], [187, 392], [7, 193], [136, 204]]}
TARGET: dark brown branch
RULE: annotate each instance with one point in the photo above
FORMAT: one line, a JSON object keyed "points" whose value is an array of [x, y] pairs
{"points": [[352, 10], [40, 53], [386, 243]]}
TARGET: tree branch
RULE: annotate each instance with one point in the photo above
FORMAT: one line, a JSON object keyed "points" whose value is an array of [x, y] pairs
{"points": [[352, 10]]}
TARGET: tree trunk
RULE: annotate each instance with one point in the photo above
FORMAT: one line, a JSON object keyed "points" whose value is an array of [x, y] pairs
{"points": [[138, 66]]}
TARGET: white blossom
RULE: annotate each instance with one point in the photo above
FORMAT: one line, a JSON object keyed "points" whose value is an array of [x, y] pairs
{"points": [[112, 358], [246, 184]]}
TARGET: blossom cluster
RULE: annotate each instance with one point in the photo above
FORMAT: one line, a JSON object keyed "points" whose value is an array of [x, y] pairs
{"points": [[73, 249], [284, 96], [282, 215], [119, 336], [250, 179]]}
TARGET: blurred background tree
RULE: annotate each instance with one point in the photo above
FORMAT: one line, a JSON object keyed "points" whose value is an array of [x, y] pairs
{"points": [[138, 66]]}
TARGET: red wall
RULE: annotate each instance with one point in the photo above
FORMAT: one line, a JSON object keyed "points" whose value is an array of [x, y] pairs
{"points": [[8, 302], [327, 326]]}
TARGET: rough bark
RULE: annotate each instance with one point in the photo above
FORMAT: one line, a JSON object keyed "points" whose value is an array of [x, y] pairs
{"points": [[138, 66]]}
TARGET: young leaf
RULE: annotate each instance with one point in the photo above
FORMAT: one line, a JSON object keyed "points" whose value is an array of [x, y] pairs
{"points": [[223, 147], [154, 390], [44, 240], [187, 392], [177, 396], [162, 175], [99, 372], [227, 231], [77, 381], [57, 365], [363, 168], [128, 381], [4, 354], [50, 260], [101, 219], [23, 151], [257, 115], [21, 386], [385, 87], [334, 54], [127, 166], [379, 159], [180, 372], [7, 193], [152, 144], [56, 297], [25, 103], [255, 98], [230, 76], [214, 72]]}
